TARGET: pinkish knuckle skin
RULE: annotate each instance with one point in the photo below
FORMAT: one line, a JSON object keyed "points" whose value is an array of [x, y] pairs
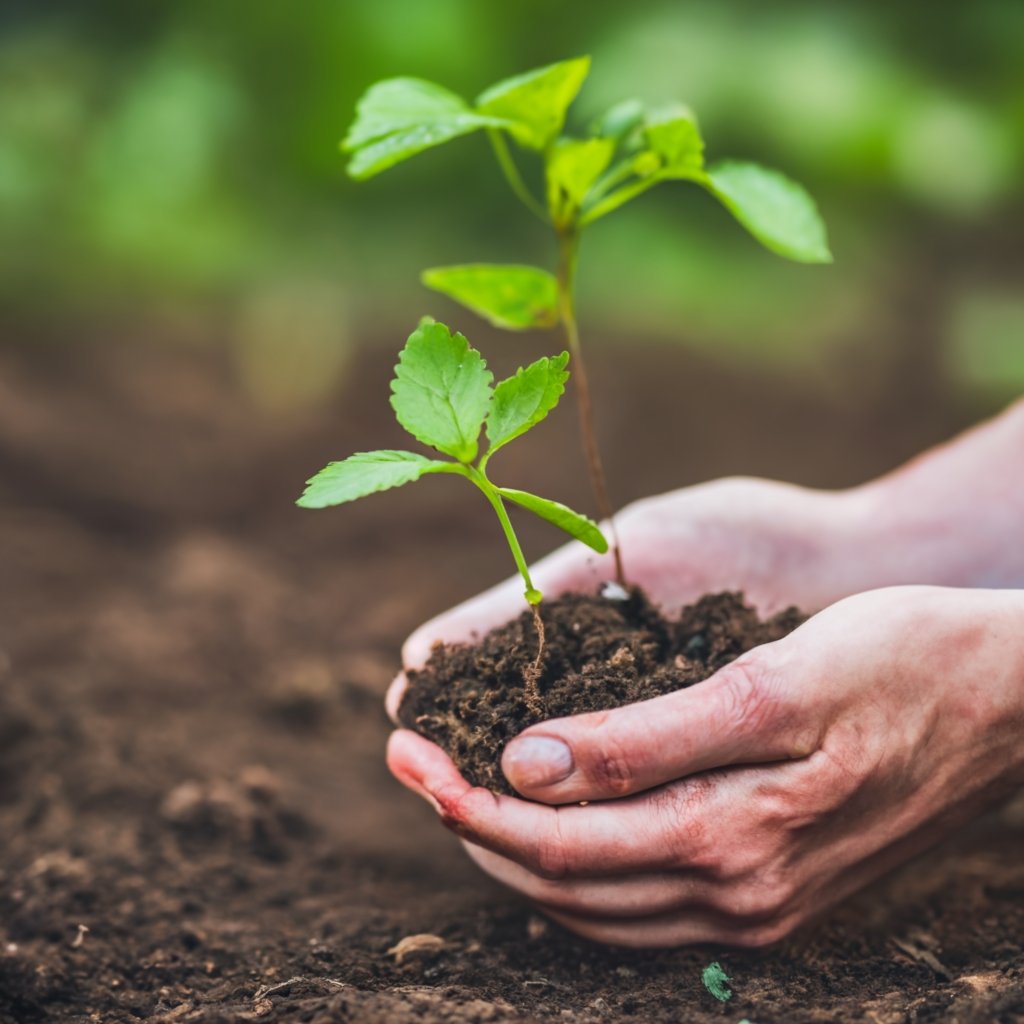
{"points": [[683, 823], [748, 703], [755, 900], [610, 768], [455, 810], [550, 859]]}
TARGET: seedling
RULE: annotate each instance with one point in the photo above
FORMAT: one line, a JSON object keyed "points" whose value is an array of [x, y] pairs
{"points": [[628, 151], [442, 394]]}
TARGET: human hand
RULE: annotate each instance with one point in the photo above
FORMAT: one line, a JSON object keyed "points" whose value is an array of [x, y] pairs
{"points": [[739, 808], [780, 544]]}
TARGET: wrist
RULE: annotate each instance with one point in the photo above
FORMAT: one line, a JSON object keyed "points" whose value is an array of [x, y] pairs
{"points": [[911, 534], [949, 517]]}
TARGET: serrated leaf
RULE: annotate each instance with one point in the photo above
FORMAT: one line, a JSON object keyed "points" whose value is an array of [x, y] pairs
{"points": [[365, 473], [673, 136], [442, 390], [400, 117], [524, 399], [559, 515], [571, 169], [777, 211], [508, 295], [535, 102]]}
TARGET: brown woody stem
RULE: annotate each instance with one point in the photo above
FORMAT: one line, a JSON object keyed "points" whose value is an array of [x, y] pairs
{"points": [[567, 257]]}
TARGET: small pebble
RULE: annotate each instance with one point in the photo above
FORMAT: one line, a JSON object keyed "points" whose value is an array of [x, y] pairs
{"points": [[613, 591]]}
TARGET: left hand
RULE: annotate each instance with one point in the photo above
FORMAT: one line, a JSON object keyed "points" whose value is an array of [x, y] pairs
{"points": [[737, 809]]}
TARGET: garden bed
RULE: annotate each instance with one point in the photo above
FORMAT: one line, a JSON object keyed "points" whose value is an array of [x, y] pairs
{"points": [[196, 824]]}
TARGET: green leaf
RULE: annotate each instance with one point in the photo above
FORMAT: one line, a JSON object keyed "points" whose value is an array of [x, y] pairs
{"points": [[778, 212], [399, 117], [508, 295], [573, 166], [523, 400], [619, 197], [673, 137], [715, 978], [365, 473], [620, 121], [671, 148], [536, 101], [561, 516], [442, 390]]}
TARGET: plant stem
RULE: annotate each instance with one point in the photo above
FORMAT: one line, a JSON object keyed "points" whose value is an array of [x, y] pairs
{"points": [[568, 248], [533, 595], [512, 175]]}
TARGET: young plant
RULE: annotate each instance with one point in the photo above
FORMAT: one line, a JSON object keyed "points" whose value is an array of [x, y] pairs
{"points": [[627, 152], [442, 394]]}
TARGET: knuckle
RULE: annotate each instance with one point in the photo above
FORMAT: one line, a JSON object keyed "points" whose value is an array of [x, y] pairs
{"points": [[550, 857], [758, 899], [748, 701], [681, 814], [609, 767]]}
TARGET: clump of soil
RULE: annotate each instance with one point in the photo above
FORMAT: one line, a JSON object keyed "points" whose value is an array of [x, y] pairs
{"points": [[470, 699]]}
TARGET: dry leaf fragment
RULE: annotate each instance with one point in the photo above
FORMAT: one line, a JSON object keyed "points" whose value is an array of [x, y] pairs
{"points": [[413, 946]]}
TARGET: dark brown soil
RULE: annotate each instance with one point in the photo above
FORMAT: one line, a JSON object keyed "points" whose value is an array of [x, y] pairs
{"points": [[598, 653], [191, 733]]}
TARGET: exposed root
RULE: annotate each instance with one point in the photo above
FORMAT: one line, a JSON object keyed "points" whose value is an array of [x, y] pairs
{"points": [[530, 677]]}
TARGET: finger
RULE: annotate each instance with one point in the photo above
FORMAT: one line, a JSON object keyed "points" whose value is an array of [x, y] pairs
{"points": [[659, 831], [745, 713], [571, 567], [624, 896], [393, 698], [673, 929]]}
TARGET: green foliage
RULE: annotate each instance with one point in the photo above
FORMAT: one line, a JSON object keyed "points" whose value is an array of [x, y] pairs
{"points": [[776, 211], [715, 978], [442, 390], [572, 168], [365, 473], [442, 394], [508, 295], [559, 515], [535, 102], [524, 399], [400, 117], [630, 149]]}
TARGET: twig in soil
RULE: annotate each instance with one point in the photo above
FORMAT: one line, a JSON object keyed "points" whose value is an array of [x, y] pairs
{"points": [[922, 956], [269, 990], [534, 701]]}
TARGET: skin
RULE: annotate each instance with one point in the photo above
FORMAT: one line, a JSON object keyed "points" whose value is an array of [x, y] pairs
{"points": [[738, 809]]}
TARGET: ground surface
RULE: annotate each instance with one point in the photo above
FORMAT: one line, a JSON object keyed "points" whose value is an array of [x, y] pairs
{"points": [[195, 821]]}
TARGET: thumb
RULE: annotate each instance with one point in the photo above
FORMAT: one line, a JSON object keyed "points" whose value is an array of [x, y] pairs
{"points": [[744, 713]]}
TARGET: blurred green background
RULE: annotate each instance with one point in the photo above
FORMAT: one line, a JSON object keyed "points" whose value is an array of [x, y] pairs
{"points": [[175, 164]]}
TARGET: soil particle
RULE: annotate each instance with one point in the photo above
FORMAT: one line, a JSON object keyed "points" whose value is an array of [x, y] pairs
{"points": [[470, 699]]}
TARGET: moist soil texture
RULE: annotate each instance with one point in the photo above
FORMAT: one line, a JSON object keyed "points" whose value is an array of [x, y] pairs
{"points": [[196, 823], [599, 653]]}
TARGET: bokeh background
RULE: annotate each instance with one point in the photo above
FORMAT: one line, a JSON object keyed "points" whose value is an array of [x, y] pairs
{"points": [[198, 310], [170, 169]]}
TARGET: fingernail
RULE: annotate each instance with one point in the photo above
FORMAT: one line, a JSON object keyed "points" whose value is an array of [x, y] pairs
{"points": [[532, 761]]}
